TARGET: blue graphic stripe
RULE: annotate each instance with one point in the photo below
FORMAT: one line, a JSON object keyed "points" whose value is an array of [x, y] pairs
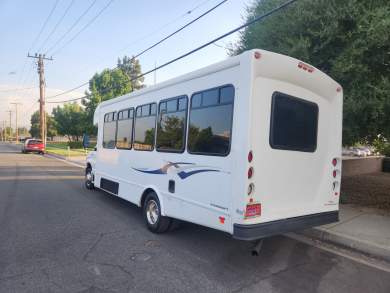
{"points": [[158, 171], [184, 175]]}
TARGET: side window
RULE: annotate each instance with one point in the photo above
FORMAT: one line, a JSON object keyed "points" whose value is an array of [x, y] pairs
{"points": [[211, 116], [109, 130], [124, 129], [171, 124], [145, 123]]}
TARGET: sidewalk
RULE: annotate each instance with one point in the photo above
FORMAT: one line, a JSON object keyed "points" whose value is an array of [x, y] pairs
{"points": [[78, 160], [362, 229]]}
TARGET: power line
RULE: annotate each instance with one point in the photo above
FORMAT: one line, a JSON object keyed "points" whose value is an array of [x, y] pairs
{"points": [[56, 25], [180, 29], [188, 12], [37, 37], [44, 25], [148, 35], [17, 89], [84, 27], [150, 47], [72, 26], [256, 19]]}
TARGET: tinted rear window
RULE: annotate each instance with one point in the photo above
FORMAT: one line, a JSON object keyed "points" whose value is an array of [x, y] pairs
{"points": [[294, 123]]}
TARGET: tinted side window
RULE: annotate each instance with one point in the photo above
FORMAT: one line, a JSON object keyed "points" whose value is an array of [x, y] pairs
{"points": [[109, 130], [172, 124], [294, 123], [124, 129], [145, 123], [211, 116]]}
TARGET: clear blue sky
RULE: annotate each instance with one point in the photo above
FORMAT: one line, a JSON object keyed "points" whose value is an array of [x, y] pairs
{"points": [[119, 30]]}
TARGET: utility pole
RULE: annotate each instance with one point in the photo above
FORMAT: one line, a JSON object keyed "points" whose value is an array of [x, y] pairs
{"points": [[16, 121], [3, 131], [42, 113], [10, 126]]}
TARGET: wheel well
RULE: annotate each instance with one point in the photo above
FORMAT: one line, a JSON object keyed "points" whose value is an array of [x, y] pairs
{"points": [[144, 194]]}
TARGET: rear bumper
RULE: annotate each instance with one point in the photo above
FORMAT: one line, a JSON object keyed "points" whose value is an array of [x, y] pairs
{"points": [[262, 230]]}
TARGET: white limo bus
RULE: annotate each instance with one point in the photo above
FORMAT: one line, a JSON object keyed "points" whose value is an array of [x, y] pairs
{"points": [[250, 146]]}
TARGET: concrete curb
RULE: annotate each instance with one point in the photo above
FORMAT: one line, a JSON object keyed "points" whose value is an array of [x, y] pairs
{"points": [[368, 248], [64, 159]]}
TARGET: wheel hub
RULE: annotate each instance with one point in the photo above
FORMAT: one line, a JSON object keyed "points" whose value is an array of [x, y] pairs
{"points": [[152, 212]]}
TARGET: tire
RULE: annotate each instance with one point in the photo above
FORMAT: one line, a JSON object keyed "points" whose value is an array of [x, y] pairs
{"points": [[88, 179], [151, 212]]}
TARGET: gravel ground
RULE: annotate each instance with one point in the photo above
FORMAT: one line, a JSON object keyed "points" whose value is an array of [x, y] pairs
{"points": [[368, 190]]}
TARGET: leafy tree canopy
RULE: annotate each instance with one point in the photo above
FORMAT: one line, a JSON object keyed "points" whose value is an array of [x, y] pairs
{"points": [[69, 120], [34, 130], [349, 40], [110, 84]]}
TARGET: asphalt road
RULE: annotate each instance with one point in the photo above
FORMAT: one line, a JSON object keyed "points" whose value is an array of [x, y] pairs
{"points": [[56, 236]]}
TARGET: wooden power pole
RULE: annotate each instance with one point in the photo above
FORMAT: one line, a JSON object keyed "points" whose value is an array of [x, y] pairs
{"points": [[42, 113], [16, 121], [10, 126]]}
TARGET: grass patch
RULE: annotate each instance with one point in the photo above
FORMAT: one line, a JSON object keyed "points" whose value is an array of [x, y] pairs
{"points": [[61, 148]]}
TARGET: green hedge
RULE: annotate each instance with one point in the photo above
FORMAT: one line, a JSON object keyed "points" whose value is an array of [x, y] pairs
{"points": [[75, 144]]}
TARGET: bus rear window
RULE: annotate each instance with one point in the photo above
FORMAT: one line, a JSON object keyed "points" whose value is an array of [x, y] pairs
{"points": [[294, 123]]}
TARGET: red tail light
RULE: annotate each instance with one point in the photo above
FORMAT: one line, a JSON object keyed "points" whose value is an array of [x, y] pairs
{"points": [[334, 173], [334, 162], [250, 156], [250, 173], [253, 210]]}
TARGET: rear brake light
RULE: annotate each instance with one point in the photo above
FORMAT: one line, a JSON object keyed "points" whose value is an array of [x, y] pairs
{"points": [[334, 173], [250, 156], [334, 162], [250, 173], [305, 67], [253, 210]]}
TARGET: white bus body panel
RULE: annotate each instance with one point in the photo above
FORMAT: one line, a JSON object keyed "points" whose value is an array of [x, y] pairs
{"points": [[288, 184]]}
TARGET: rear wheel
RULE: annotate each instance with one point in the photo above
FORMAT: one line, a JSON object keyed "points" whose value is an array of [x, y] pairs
{"points": [[88, 179], [151, 211]]}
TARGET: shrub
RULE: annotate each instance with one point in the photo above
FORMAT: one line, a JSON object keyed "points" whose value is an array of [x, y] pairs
{"points": [[75, 144], [386, 150]]}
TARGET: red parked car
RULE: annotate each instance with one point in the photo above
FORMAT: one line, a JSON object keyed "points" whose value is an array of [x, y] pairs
{"points": [[33, 145]]}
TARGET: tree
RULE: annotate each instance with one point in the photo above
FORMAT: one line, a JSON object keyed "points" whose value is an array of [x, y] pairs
{"points": [[110, 84], [349, 40], [50, 127], [132, 68], [69, 120]]}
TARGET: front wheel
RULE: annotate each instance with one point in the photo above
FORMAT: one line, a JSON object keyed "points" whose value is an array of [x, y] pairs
{"points": [[88, 179], [151, 211]]}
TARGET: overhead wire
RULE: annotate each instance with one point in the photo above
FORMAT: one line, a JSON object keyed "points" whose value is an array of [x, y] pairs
{"points": [[56, 25], [92, 20], [35, 40], [254, 20], [160, 28], [150, 47], [71, 27], [259, 18], [44, 25]]}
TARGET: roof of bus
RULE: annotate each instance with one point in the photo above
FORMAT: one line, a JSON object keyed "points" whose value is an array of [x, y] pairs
{"points": [[230, 62], [273, 67]]}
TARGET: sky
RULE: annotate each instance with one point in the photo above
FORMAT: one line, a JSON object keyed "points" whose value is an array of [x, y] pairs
{"points": [[124, 28]]}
